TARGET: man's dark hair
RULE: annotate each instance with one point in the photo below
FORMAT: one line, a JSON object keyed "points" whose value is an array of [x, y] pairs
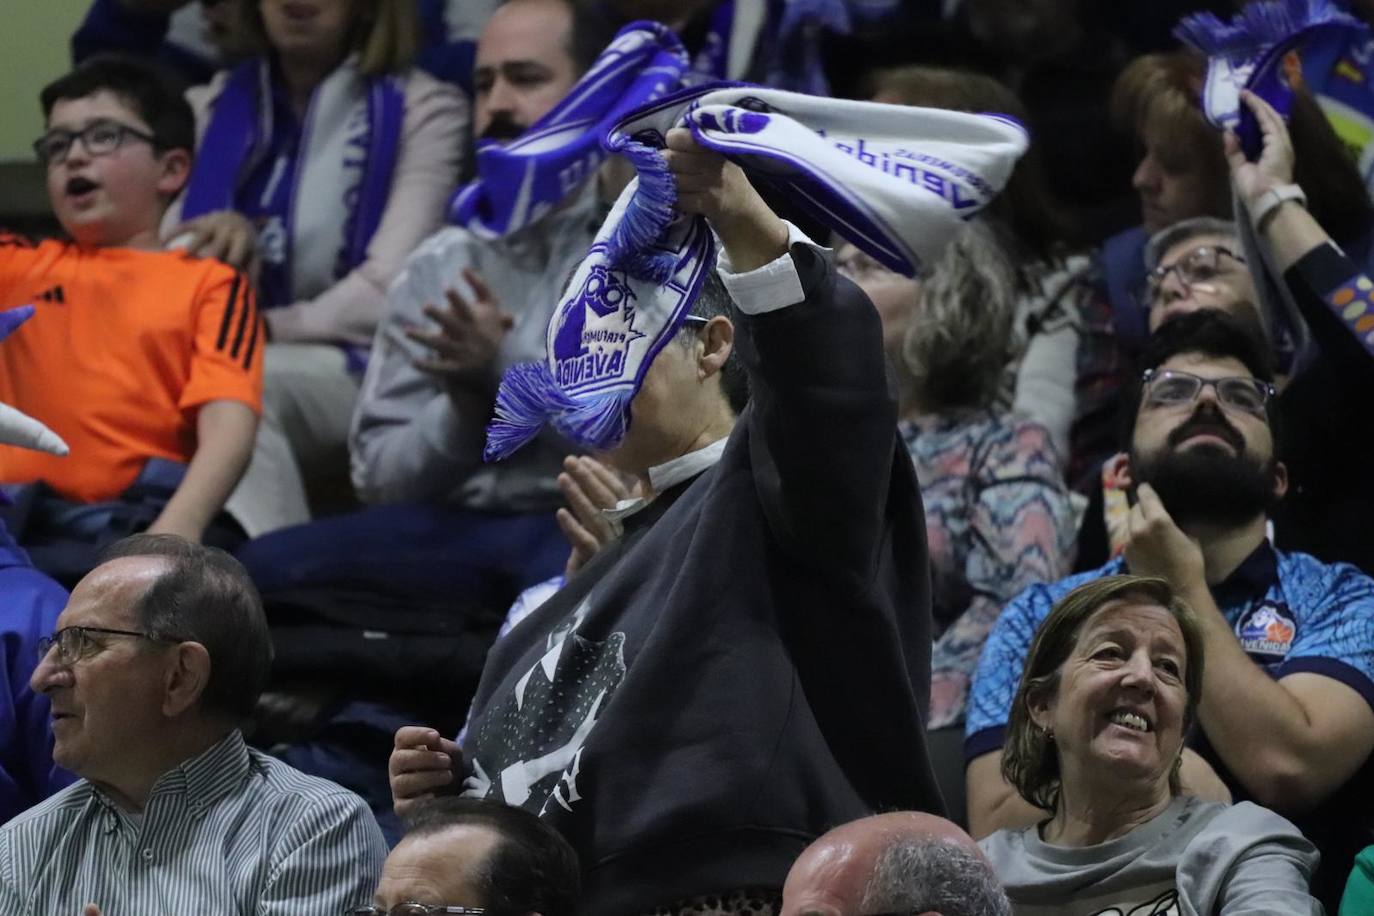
{"points": [[154, 95], [713, 300], [1209, 332], [593, 27], [206, 596], [531, 870]]}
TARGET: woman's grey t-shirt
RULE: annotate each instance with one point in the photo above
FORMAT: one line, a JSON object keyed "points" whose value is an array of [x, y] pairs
{"points": [[1195, 858]]}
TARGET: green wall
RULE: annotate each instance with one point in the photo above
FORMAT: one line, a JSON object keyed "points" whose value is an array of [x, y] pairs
{"points": [[34, 49]]}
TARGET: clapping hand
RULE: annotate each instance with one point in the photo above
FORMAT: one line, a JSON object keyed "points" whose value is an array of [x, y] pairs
{"points": [[465, 337], [589, 487]]}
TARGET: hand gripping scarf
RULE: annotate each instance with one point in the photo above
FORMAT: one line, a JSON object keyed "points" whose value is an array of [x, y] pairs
{"points": [[1260, 49], [521, 181], [896, 181]]}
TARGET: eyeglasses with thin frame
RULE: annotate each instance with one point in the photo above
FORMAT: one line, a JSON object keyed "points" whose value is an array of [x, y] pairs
{"points": [[75, 644], [1170, 387], [100, 138], [1201, 265], [418, 909]]}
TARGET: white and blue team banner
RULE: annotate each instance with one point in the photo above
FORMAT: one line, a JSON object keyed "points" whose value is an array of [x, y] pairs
{"points": [[896, 181], [519, 182], [1272, 45]]}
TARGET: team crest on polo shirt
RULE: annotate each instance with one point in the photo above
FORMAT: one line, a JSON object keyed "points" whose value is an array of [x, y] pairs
{"points": [[1267, 630]]}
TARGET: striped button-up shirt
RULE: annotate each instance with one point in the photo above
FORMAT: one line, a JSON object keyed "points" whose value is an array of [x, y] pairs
{"points": [[230, 831]]}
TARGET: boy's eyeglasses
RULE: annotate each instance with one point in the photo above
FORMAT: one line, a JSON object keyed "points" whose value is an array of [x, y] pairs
{"points": [[1170, 387], [100, 138]]}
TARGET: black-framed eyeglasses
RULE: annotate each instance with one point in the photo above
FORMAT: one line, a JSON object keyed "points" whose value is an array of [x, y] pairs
{"points": [[100, 138], [1170, 387], [77, 643], [417, 909], [1201, 265]]}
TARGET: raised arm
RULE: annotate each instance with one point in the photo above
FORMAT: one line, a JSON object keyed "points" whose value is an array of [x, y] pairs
{"points": [[822, 425]]}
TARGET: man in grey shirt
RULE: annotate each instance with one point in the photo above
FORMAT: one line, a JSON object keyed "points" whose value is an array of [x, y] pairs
{"points": [[160, 653], [1195, 857], [440, 524]]}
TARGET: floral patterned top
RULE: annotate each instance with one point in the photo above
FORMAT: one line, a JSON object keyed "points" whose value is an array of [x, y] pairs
{"points": [[998, 518]]}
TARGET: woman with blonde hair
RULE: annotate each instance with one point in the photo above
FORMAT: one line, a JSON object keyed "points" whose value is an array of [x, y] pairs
{"points": [[998, 514], [1109, 692], [322, 161]]}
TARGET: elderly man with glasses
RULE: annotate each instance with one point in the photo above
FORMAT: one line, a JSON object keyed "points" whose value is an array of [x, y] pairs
{"points": [[1287, 710], [157, 660]]}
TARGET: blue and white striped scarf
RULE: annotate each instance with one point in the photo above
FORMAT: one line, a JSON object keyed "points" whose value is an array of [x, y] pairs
{"points": [[896, 181], [521, 181]]}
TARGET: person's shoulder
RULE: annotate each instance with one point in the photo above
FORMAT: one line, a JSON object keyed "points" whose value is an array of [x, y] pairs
{"points": [[17, 240], [1019, 447], [420, 85], [52, 816], [173, 266], [1042, 595], [15, 245], [428, 268], [1313, 585], [288, 786], [1247, 821]]}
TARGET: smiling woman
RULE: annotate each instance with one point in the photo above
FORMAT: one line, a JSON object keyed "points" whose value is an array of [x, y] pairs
{"points": [[1110, 689]]}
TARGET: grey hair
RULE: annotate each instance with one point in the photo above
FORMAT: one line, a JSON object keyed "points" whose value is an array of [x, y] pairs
{"points": [[914, 875], [1182, 231], [960, 338], [713, 301]]}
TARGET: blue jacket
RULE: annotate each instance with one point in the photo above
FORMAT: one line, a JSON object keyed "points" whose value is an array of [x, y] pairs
{"points": [[29, 605]]}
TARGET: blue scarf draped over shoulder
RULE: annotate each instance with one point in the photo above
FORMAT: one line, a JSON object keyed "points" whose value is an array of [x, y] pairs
{"points": [[349, 144]]}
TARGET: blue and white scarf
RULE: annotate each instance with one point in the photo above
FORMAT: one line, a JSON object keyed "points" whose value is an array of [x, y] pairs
{"points": [[896, 181], [521, 181], [339, 181], [1260, 49], [1255, 51]]}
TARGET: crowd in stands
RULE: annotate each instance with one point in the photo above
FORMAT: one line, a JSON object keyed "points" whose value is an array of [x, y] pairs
{"points": [[845, 457]]}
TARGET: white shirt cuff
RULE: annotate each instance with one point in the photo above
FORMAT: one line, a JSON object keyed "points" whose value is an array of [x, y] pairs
{"points": [[773, 286]]}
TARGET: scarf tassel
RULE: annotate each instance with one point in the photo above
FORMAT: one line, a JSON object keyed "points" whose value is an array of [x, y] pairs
{"points": [[598, 423], [529, 398], [1258, 26], [633, 245]]}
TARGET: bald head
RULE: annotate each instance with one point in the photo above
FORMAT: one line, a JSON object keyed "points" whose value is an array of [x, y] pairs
{"points": [[840, 873]]}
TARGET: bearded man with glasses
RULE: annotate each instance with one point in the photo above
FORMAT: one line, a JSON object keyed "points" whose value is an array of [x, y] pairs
{"points": [[156, 663], [1286, 717]]}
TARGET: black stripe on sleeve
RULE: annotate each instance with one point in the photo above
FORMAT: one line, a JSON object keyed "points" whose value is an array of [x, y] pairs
{"points": [[229, 311], [243, 324], [252, 338]]}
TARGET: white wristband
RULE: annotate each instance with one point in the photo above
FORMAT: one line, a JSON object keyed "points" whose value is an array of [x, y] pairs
{"points": [[1270, 200]]}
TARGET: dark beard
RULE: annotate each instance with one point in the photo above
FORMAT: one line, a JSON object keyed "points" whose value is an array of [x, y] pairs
{"points": [[503, 130], [1208, 486]]}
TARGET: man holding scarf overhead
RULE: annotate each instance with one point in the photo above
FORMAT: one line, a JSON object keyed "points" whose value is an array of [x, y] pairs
{"points": [[749, 664]]}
